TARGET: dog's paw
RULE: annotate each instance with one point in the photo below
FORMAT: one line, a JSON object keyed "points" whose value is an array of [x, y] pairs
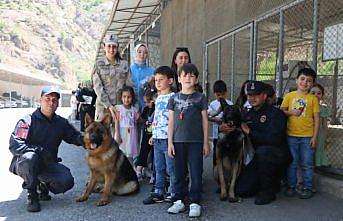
{"points": [[235, 200], [81, 199], [102, 202]]}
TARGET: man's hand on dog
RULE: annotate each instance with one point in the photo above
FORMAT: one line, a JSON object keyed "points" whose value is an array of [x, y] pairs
{"points": [[245, 128]]}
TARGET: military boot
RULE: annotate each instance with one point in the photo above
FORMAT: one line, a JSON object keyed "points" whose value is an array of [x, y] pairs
{"points": [[32, 201], [43, 192]]}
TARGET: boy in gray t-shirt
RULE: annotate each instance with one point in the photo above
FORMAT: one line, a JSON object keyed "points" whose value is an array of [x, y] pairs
{"points": [[188, 139]]}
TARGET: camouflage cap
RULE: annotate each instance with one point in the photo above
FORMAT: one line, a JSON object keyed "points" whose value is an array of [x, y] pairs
{"points": [[111, 39]]}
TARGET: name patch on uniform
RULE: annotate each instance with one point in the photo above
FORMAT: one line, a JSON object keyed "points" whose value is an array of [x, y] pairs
{"points": [[263, 118], [23, 130]]}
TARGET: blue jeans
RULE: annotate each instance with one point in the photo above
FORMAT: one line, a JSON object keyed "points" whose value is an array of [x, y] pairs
{"points": [[163, 165], [302, 154], [188, 154]]}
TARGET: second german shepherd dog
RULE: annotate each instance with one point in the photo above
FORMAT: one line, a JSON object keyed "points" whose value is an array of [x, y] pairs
{"points": [[229, 152], [106, 162]]}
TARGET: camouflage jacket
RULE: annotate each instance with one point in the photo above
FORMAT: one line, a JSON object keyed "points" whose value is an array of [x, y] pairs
{"points": [[108, 79]]}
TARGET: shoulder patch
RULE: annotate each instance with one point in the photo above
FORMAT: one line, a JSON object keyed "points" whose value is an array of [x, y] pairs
{"points": [[23, 130]]}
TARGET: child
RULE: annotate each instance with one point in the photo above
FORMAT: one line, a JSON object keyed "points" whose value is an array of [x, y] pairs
{"points": [[321, 158], [128, 117], [163, 164], [187, 138], [242, 100], [302, 109], [146, 118], [220, 92]]}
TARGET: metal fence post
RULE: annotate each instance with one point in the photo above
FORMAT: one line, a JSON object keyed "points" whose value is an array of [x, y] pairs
{"points": [[232, 91], [315, 34], [147, 42], [219, 57], [205, 70], [251, 52], [334, 119], [281, 54], [254, 55]]}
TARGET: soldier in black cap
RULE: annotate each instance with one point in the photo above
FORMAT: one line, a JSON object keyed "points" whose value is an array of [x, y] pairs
{"points": [[34, 144], [266, 127]]}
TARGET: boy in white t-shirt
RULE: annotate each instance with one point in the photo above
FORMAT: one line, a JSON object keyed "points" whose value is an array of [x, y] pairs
{"points": [[220, 92]]}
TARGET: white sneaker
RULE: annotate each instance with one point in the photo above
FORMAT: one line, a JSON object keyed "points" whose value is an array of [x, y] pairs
{"points": [[194, 210], [177, 207]]}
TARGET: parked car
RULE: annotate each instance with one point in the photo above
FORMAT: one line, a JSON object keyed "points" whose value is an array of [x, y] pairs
{"points": [[2, 104], [8, 103], [11, 104], [25, 103]]}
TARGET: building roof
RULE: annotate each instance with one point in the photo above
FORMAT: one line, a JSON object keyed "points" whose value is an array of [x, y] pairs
{"points": [[17, 75]]}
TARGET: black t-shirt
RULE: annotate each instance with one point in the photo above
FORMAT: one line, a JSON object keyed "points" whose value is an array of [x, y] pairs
{"points": [[187, 117], [148, 116]]}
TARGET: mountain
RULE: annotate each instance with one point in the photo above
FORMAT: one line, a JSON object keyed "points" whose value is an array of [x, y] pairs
{"points": [[59, 37]]}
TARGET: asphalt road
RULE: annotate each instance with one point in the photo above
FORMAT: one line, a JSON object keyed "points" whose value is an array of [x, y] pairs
{"points": [[63, 206]]}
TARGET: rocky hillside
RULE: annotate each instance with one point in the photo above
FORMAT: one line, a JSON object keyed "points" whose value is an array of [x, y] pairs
{"points": [[56, 36]]}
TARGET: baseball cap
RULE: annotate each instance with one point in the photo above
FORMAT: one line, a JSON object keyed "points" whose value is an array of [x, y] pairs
{"points": [[51, 89], [111, 39], [255, 87]]}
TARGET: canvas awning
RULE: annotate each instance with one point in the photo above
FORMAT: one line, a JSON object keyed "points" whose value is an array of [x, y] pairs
{"points": [[22, 76], [130, 19]]}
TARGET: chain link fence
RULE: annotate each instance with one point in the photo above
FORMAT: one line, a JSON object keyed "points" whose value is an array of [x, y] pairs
{"points": [[273, 47]]}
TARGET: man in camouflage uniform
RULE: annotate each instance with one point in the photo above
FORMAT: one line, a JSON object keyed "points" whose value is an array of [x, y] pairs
{"points": [[110, 74]]}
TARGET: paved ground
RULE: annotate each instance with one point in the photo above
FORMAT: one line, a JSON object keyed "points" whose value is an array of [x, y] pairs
{"points": [[63, 207]]}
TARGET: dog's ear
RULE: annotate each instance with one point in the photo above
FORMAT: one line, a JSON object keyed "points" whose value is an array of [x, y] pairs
{"points": [[223, 104], [107, 120], [238, 112], [88, 120]]}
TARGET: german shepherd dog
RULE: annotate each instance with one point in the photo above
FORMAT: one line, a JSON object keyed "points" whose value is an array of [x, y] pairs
{"points": [[229, 152], [106, 162]]}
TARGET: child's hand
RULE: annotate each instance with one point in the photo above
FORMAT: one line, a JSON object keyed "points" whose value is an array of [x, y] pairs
{"points": [[115, 114], [118, 139], [206, 149], [296, 112], [151, 141], [171, 150], [217, 120], [313, 142]]}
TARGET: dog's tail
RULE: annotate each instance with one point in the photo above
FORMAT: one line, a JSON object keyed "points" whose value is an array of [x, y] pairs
{"points": [[128, 188]]}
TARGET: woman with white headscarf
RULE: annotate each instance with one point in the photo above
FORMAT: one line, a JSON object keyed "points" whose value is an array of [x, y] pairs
{"points": [[140, 72]]}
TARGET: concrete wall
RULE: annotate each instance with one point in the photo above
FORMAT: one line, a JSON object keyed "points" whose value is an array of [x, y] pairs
{"points": [[191, 22]]}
